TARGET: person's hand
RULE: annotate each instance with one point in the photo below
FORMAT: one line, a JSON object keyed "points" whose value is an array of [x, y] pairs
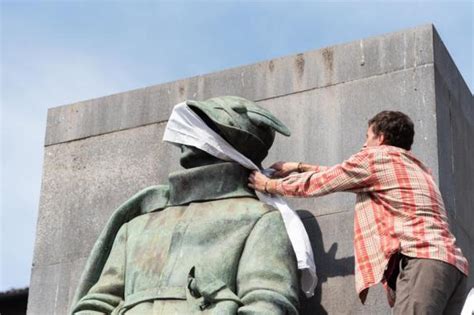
{"points": [[283, 169], [257, 181]]}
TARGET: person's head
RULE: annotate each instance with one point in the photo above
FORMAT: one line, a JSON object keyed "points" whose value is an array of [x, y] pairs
{"points": [[390, 128]]}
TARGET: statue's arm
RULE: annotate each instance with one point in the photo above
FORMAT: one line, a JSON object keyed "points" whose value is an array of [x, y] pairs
{"points": [[107, 294], [267, 281]]}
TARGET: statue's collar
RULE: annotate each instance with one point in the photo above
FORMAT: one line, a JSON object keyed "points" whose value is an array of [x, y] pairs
{"points": [[210, 182]]}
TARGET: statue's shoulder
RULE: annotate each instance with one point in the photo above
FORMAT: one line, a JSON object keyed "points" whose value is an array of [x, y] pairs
{"points": [[259, 209], [153, 198], [147, 200], [248, 206], [262, 206]]}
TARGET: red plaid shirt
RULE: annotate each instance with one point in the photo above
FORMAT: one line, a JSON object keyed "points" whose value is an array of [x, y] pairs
{"points": [[398, 209]]}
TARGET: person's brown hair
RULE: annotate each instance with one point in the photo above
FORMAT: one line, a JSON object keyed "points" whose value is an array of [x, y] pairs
{"points": [[397, 128]]}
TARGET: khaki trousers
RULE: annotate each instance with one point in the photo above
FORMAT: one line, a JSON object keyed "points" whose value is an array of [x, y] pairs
{"points": [[428, 286]]}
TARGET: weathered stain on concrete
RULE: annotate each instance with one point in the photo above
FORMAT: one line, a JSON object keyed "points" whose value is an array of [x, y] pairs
{"points": [[300, 62], [271, 65], [328, 55]]}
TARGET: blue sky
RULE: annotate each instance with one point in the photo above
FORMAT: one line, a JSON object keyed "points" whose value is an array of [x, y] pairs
{"points": [[60, 52]]}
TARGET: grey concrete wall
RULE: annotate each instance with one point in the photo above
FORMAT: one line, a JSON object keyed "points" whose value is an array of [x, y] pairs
{"points": [[99, 152], [455, 118]]}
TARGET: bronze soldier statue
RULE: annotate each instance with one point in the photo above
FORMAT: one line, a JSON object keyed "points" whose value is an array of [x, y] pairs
{"points": [[203, 243]]}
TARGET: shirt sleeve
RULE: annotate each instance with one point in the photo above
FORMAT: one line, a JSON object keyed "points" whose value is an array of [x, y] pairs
{"points": [[353, 175], [319, 168]]}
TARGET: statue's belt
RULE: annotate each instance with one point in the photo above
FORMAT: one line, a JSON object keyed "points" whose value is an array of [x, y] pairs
{"points": [[202, 294], [176, 293]]}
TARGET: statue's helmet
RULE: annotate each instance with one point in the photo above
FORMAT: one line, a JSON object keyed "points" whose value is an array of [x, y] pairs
{"points": [[249, 128]]}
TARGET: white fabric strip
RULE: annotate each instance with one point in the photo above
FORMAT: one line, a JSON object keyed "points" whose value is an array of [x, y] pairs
{"points": [[186, 127]]}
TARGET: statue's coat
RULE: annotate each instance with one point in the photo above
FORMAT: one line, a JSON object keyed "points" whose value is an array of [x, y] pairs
{"points": [[203, 244]]}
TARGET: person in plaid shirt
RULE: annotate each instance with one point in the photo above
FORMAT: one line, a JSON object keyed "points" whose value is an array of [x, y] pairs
{"points": [[402, 237]]}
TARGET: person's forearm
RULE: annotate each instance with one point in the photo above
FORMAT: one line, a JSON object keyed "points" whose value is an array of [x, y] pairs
{"points": [[280, 186], [292, 185], [304, 167], [351, 175], [271, 187], [276, 186]]}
